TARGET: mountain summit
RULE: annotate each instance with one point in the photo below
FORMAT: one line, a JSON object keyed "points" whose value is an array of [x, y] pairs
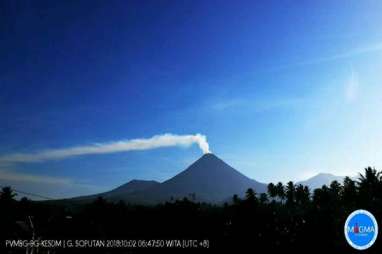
{"points": [[207, 179]]}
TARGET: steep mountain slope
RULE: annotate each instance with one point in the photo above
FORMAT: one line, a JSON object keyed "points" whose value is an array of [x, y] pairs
{"points": [[207, 179]]}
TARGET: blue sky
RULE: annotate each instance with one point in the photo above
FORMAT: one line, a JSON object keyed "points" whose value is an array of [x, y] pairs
{"points": [[282, 90]]}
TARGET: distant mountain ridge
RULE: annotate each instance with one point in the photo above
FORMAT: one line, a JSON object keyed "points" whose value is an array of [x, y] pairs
{"points": [[208, 179], [321, 179], [122, 190]]}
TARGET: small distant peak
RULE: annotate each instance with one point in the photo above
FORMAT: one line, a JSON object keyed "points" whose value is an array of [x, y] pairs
{"points": [[324, 174]]}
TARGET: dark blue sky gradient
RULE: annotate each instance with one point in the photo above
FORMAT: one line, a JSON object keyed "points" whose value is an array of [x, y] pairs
{"points": [[250, 75]]}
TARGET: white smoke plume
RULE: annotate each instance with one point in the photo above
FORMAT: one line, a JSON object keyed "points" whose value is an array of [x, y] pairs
{"points": [[157, 141]]}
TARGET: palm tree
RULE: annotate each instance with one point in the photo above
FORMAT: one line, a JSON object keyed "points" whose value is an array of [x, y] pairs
{"points": [[370, 180], [290, 193], [349, 192], [250, 195], [7, 194], [272, 190], [7, 202], [236, 199], [280, 191], [264, 198], [371, 174], [335, 190], [321, 197], [302, 194], [307, 192], [369, 186]]}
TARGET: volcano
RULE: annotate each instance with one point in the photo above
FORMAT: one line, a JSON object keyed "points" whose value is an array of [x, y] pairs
{"points": [[208, 179]]}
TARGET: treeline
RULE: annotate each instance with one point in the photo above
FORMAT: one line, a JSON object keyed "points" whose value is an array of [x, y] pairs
{"points": [[294, 217], [287, 217]]}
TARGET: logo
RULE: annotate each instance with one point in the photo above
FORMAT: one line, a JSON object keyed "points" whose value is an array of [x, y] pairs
{"points": [[361, 229]]}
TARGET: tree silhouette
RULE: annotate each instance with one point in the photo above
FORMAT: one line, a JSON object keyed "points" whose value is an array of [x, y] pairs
{"points": [[369, 186], [290, 193], [307, 193], [321, 197], [7, 194], [302, 195], [236, 199], [368, 183], [335, 190], [272, 190], [349, 192], [250, 195], [294, 220], [263, 198], [280, 191]]}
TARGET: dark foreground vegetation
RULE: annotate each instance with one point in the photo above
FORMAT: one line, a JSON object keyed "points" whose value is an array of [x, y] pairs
{"points": [[288, 217]]}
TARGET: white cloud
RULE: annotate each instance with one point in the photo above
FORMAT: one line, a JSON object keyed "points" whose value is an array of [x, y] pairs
{"points": [[158, 141]]}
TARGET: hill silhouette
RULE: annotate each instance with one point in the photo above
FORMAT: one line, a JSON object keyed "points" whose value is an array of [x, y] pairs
{"points": [[321, 179], [287, 218], [208, 179]]}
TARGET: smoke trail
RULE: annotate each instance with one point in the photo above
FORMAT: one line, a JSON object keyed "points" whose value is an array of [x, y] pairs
{"points": [[157, 141]]}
